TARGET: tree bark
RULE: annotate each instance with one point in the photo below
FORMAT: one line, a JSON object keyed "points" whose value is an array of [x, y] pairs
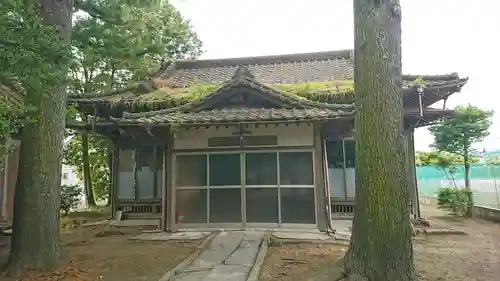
{"points": [[381, 244], [35, 239], [470, 195], [87, 176]]}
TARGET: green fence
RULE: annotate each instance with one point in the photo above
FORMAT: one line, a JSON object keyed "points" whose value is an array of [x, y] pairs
{"points": [[485, 182]]}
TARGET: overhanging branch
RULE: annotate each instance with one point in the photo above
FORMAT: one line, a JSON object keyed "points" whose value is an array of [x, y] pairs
{"points": [[96, 12]]}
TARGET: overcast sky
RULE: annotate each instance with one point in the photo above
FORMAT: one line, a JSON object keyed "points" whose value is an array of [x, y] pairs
{"points": [[439, 37]]}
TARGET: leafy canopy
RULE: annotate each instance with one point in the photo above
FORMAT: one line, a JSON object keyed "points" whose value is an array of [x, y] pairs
{"points": [[98, 159], [440, 159], [108, 54], [469, 125], [29, 53], [494, 161]]}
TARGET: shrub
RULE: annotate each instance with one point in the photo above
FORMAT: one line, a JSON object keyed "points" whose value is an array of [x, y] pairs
{"points": [[70, 196], [455, 200]]}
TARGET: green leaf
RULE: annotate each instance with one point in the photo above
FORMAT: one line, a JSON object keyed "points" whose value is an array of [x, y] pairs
{"points": [[468, 126]]}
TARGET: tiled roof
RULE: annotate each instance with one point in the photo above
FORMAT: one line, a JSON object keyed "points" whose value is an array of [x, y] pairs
{"points": [[266, 114], [280, 69], [240, 115], [184, 78], [243, 78]]}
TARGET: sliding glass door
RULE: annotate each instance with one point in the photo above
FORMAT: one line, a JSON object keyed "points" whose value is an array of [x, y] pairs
{"points": [[250, 189], [261, 188], [297, 200], [224, 189], [208, 188]]}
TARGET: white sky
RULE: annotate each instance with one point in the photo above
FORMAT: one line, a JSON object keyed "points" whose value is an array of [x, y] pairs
{"points": [[439, 37]]}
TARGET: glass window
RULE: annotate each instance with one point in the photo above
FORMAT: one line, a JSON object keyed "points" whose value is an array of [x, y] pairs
{"points": [[335, 154], [225, 205], [262, 205], [296, 168], [350, 153], [192, 205], [126, 177], [224, 169], [145, 171], [297, 205], [261, 169], [191, 170], [159, 173]]}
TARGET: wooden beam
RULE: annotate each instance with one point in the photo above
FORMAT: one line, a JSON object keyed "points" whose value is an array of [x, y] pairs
{"points": [[155, 169], [168, 197], [134, 170], [319, 179], [115, 168], [414, 195]]}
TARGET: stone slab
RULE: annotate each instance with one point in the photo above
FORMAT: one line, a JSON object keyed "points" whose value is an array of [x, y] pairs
{"points": [[221, 247], [135, 223], [342, 236], [301, 236], [191, 276], [95, 223], [444, 231], [254, 235], [245, 254], [229, 257], [228, 273], [164, 236]]}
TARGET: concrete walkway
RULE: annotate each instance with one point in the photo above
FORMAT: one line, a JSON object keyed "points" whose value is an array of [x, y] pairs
{"points": [[229, 257]]}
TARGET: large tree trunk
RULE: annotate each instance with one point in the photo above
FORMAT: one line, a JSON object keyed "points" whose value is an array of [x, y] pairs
{"points": [[470, 195], [381, 244], [87, 176], [35, 239]]}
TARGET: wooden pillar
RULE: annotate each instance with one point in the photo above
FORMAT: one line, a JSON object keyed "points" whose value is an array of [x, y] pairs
{"points": [[4, 172], [319, 179], [154, 164], [115, 169], [134, 167], [168, 198], [413, 173]]}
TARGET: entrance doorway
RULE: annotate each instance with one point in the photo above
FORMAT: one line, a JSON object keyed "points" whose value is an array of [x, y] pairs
{"points": [[245, 189]]}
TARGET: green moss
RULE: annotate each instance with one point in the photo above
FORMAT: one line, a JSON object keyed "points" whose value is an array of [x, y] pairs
{"points": [[317, 91], [305, 89], [192, 93], [418, 81]]}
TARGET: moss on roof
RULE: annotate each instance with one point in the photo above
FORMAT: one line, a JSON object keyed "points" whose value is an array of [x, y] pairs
{"points": [[318, 91]]}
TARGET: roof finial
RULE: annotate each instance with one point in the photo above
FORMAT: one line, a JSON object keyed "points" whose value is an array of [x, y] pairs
{"points": [[243, 71], [164, 63]]}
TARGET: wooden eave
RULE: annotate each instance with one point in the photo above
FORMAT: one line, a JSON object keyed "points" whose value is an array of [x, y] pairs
{"points": [[434, 92]]}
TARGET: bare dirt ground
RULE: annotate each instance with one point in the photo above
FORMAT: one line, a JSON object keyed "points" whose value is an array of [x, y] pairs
{"points": [[472, 257], [106, 254]]}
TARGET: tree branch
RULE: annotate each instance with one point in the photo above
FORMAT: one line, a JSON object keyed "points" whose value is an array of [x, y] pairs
{"points": [[96, 12]]}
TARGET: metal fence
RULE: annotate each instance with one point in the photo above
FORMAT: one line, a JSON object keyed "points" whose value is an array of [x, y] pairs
{"points": [[485, 183]]}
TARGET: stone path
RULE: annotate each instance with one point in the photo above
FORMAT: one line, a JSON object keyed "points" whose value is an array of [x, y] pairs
{"points": [[229, 257]]}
